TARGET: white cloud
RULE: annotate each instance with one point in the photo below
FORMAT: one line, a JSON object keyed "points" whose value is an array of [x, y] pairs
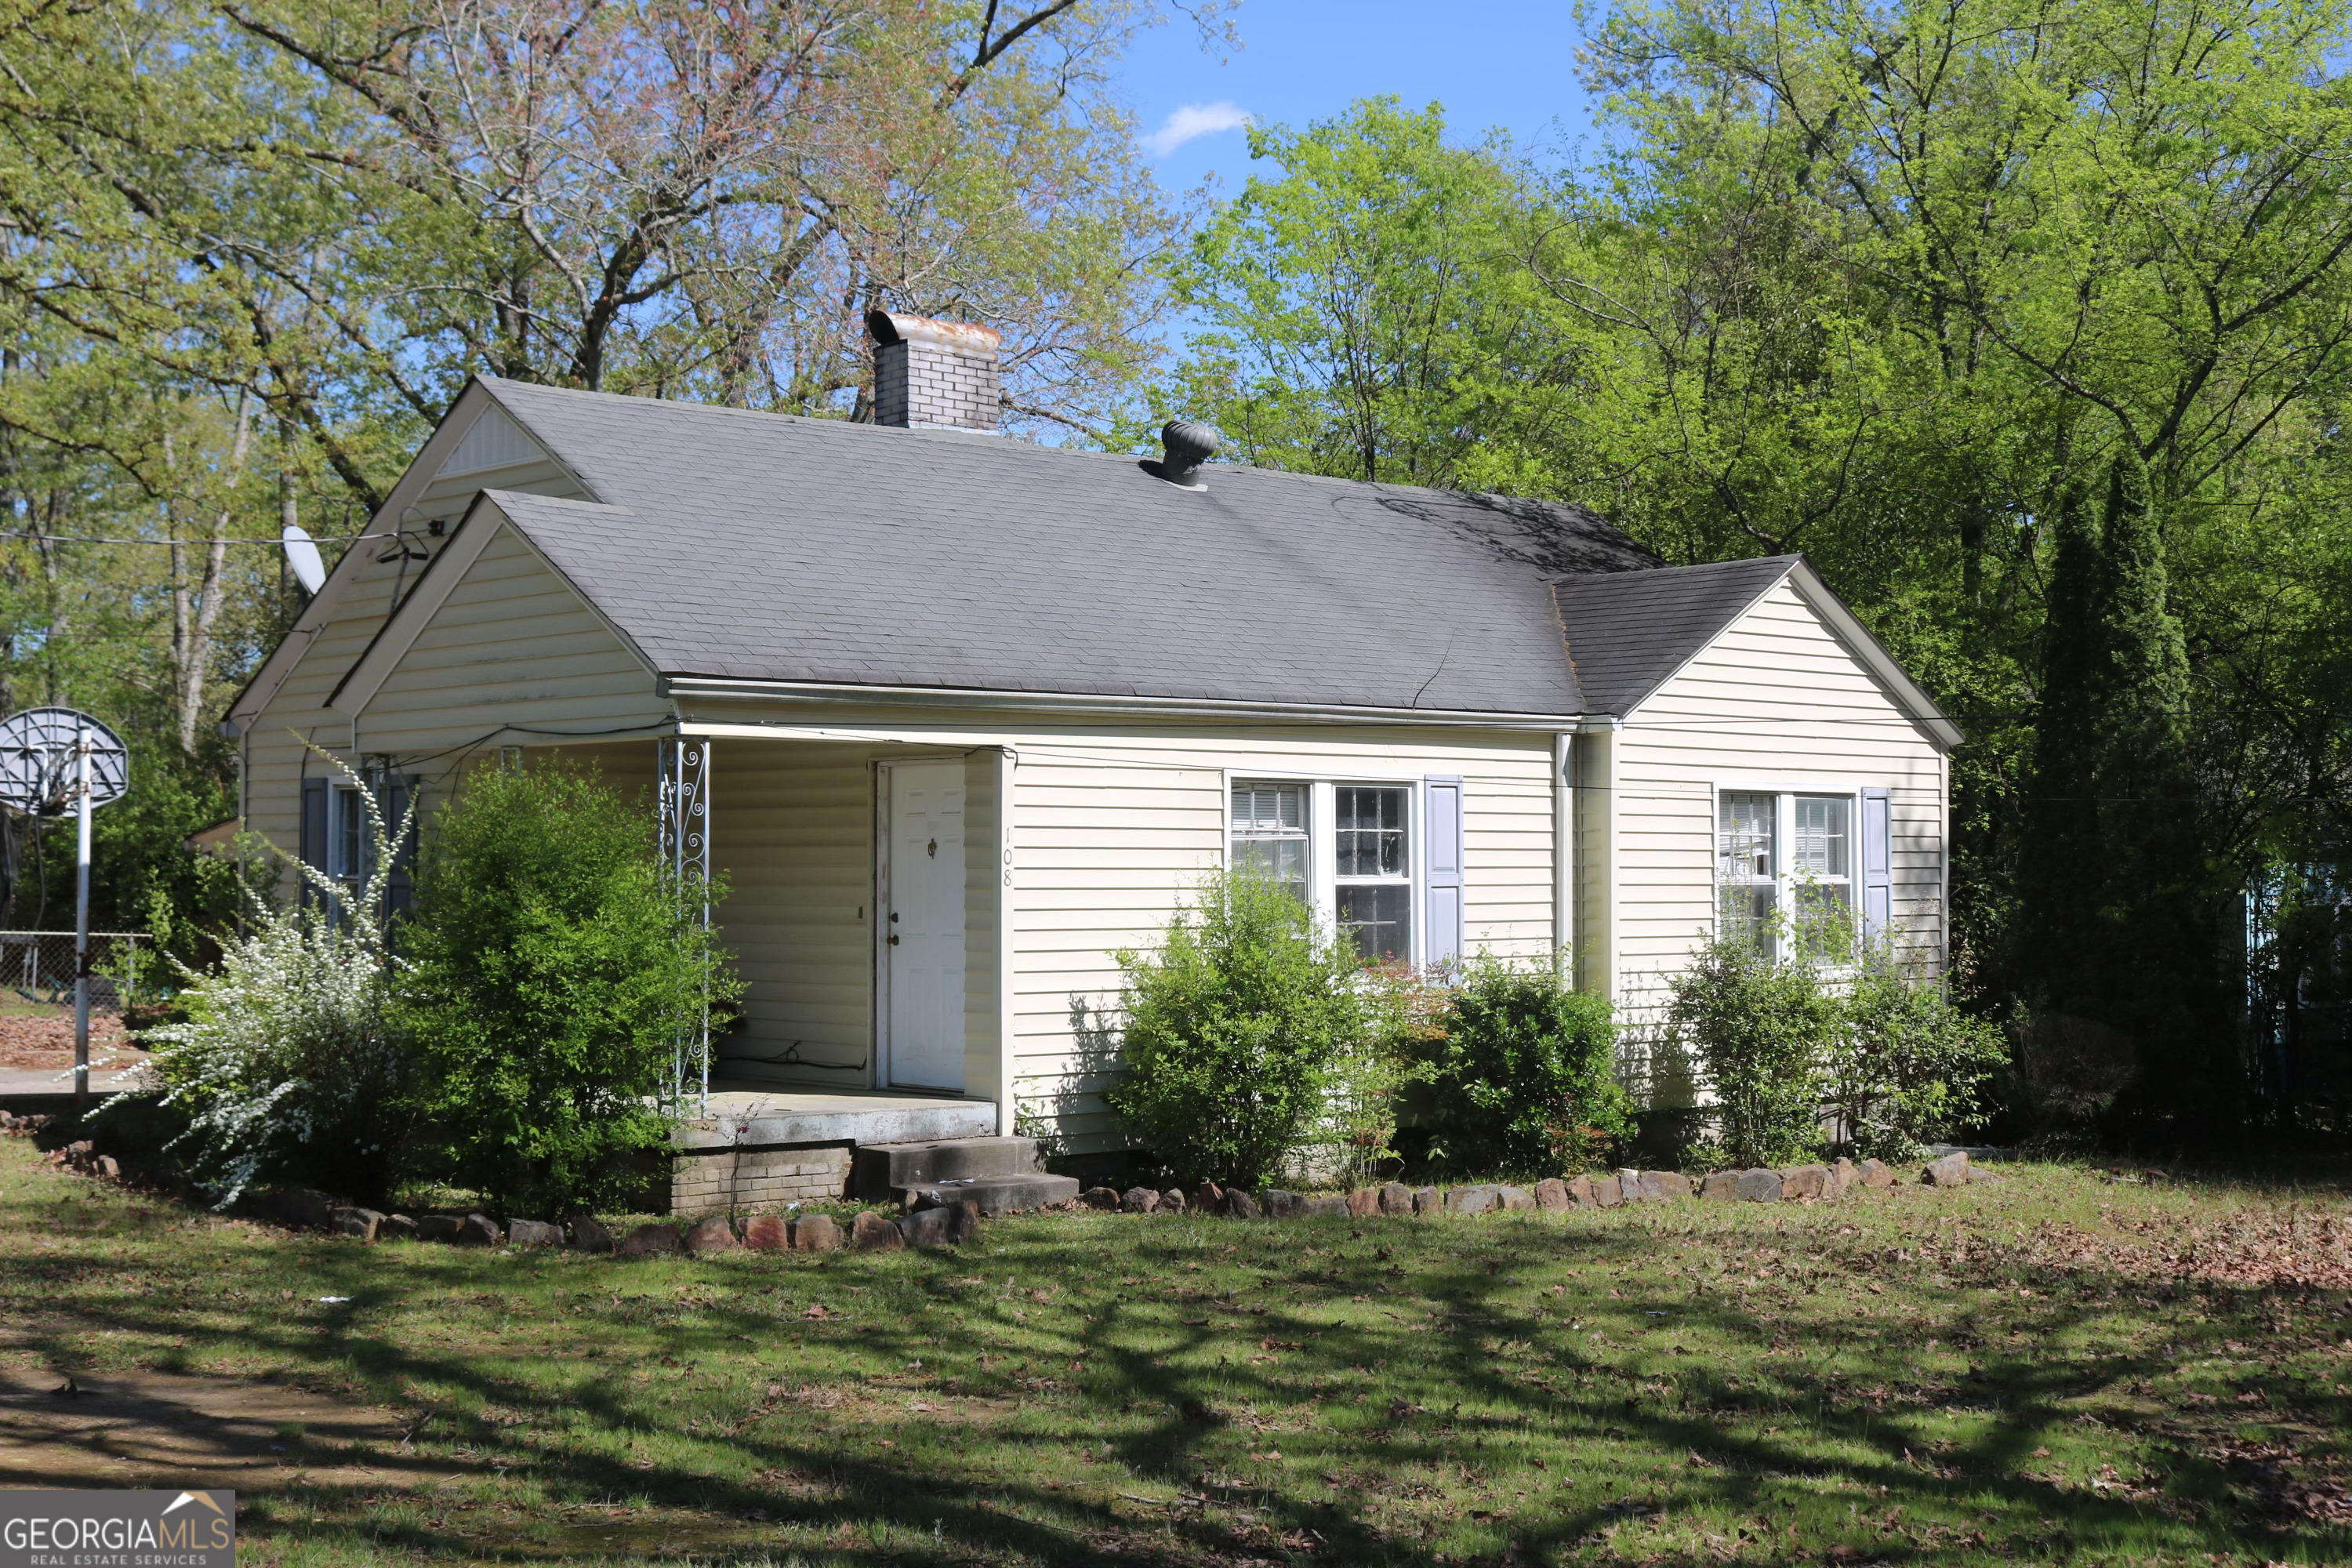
{"points": [[1192, 121]]}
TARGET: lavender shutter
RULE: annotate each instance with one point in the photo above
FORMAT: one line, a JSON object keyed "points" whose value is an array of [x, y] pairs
{"points": [[1442, 882], [1877, 864]]}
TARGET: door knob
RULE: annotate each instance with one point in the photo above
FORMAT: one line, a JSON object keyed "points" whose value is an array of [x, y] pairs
{"points": [[894, 939]]}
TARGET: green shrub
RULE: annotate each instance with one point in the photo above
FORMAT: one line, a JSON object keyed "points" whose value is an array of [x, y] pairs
{"points": [[289, 1060], [1907, 1067], [1521, 1072], [553, 967], [1760, 1032], [1233, 1029]]}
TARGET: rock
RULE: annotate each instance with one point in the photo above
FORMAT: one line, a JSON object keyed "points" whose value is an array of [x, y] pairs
{"points": [[439, 1227], [358, 1222], [1801, 1182], [1334, 1204], [869, 1232], [1209, 1198], [1471, 1200], [1630, 1187], [1951, 1171], [1364, 1201], [1663, 1185], [1280, 1204], [1608, 1192], [478, 1230], [1579, 1192], [1102, 1198], [943, 1225], [1722, 1184], [1844, 1176], [767, 1233], [1514, 1198], [817, 1232], [1240, 1204], [709, 1235], [1396, 1199], [1428, 1200], [302, 1206], [589, 1235], [1875, 1173], [395, 1227], [655, 1240], [1979, 1173], [533, 1232], [1139, 1200], [107, 1168], [1551, 1195], [1757, 1187], [1173, 1201]]}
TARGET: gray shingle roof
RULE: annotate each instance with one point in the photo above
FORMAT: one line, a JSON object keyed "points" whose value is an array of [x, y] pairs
{"points": [[1628, 632], [761, 546]]}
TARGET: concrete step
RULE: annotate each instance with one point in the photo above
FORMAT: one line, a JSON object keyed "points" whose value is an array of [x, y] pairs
{"points": [[883, 1169], [994, 1194]]}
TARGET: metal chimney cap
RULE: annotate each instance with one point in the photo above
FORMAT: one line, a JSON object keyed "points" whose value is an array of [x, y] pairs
{"points": [[1188, 444]]}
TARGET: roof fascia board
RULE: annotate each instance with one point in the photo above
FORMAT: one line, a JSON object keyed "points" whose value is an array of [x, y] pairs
{"points": [[422, 470], [1876, 657], [406, 623], [1700, 652], [686, 687]]}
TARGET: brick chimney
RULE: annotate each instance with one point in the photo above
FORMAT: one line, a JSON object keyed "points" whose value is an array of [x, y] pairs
{"points": [[933, 375]]}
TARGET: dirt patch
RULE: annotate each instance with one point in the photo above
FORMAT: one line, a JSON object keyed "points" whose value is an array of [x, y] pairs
{"points": [[34, 1041], [133, 1428]]}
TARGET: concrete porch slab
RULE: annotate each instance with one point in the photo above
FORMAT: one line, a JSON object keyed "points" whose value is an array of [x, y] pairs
{"points": [[767, 1117]]}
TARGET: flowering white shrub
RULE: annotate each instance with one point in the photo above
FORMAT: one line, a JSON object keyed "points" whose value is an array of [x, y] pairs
{"points": [[291, 1065]]}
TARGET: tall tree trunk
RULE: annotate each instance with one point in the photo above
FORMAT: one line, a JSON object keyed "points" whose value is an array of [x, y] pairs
{"points": [[197, 649]]}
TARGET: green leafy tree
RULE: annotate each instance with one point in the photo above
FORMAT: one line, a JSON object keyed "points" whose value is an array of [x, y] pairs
{"points": [[1521, 1072], [552, 971], [1235, 1030]]}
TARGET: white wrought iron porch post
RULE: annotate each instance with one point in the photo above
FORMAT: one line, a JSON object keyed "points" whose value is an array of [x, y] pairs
{"points": [[685, 805]]}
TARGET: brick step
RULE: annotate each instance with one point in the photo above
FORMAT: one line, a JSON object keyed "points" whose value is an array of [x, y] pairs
{"points": [[994, 1194], [884, 1169]]}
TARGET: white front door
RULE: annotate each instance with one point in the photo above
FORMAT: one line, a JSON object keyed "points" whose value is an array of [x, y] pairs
{"points": [[923, 911]]}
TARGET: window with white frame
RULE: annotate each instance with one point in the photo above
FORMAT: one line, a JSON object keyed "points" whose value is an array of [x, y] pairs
{"points": [[1799, 897], [1270, 833], [1373, 880], [1346, 849]]}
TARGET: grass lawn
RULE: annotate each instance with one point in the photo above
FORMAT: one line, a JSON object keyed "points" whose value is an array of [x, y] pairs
{"points": [[2061, 1366]]}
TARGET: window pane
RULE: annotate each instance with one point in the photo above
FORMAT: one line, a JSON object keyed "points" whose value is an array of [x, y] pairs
{"points": [[1746, 913], [1270, 833], [1824, 920], [347, 839], [1370, 831], [1379, 918], [1744, 838], [1821, 835]]}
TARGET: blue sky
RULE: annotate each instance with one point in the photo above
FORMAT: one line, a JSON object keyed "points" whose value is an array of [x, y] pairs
{"points": [[1489, 62]]}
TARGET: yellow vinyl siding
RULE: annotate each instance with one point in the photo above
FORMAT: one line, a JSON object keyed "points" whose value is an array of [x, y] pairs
{"points": [[1776, 702]]}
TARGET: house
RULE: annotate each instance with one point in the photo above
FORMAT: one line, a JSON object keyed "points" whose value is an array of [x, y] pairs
{"points": [[958, 716]]}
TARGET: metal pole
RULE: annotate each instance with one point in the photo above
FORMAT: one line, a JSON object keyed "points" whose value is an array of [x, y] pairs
{"points": [[81, 925]]}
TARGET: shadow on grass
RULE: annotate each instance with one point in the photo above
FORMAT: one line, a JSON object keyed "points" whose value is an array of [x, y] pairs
{"points": [[1368, 1391]]}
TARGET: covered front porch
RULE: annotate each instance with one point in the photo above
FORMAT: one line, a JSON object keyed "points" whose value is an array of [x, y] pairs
{"points": [[858, 894]]}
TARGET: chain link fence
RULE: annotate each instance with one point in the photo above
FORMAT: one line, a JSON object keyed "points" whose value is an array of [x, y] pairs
{"points": [[37, 967]]}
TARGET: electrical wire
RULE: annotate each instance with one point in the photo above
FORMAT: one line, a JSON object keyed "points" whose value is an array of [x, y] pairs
{"points": [[188, 543]]}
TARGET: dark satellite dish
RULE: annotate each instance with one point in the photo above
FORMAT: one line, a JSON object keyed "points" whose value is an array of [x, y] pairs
{"points": [[40, 768], [303, 556]]}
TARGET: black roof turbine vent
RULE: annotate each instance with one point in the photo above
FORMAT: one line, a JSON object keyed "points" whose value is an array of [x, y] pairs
{"points": [[1187, 445]]}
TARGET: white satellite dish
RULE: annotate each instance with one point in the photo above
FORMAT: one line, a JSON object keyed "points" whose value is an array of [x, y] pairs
{"points": [[303, 556]]}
